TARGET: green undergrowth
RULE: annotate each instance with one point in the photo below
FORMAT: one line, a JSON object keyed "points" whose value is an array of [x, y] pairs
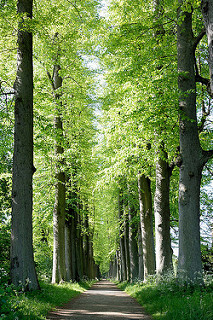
{"points": [[166, 300], [15, 305]]}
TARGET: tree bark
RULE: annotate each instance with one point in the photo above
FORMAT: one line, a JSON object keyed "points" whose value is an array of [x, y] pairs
{"points": [[22, 261], [189, 266], [122, 240], [59, 269], [162, 215], [91, 260], [73, 247], [79, 248], [126, 243], [140, 256], [86, 247], [68, 251], [117, 265], [133, 247], [145, 200]]}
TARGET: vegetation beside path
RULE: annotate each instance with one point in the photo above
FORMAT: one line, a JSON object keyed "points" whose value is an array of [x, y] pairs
{"points": [[167, 300], [35, 305]]}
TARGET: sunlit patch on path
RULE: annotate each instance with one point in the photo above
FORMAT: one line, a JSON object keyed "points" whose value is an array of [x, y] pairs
{"points": [[103, 301]]}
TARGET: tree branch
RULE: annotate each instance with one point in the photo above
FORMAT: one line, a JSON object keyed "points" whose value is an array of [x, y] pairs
{"points": [[199, 78], [76, 9], [210, 171], [205, 114], [6, 93], [51, 80], [206, 155], [198, 39]]}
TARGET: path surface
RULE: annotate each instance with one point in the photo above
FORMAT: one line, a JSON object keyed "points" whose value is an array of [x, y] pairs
{"points": [[103, 301]]}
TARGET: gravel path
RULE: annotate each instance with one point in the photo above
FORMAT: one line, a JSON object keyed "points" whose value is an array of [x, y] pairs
{"points": [[103, 301]]}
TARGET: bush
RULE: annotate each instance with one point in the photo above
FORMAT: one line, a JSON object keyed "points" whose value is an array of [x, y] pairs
{"points": [[165, 299], [5, 251], [207, 259]]}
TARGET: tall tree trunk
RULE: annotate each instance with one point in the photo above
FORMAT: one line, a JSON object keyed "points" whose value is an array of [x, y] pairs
{"points": [[189, 266], [162, 215], [163, 172], [71, 236], [73, 246], [79, 240], [22, 261], [140, 256], [118, 257], [133, 247], [122, 240], [126, 243], [91, 261], [79, 246], [86, 247], [68, 250], [114, 271], [145, 200], [59, 269]]}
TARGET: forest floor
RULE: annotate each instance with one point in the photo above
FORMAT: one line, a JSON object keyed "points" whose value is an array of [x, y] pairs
{"points": [[103, 301]]}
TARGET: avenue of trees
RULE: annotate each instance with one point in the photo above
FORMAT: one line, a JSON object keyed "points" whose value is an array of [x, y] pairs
{"points": [[105, 139]]}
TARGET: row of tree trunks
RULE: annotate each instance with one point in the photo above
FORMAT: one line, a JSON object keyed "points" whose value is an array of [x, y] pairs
{"points": [[72, 256], [79, 261], [192, 160], [136, 257]]}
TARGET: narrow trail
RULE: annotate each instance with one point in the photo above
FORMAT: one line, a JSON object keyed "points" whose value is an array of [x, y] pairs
{"points": [[103, 301]]}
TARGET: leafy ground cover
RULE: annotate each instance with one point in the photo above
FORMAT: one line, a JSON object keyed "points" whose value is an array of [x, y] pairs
{"points": [[166, 300], [16, 305]]}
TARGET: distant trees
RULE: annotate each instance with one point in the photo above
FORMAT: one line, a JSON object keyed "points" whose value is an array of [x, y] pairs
{"points": [[62, 67]]}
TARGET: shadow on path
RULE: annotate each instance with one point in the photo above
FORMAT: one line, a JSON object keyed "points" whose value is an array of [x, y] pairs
{"points": [[103, 301]]}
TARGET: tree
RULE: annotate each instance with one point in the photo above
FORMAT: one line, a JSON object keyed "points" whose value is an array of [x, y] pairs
{"points": [[193, 157], [58, 273], [133, 230], [162, 215], [163, 173], [123, 268], [146, 215], [22, 262]]}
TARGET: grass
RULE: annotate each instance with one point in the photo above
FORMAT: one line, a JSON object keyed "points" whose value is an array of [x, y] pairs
{"points": [[166, 300], [16, 305]]}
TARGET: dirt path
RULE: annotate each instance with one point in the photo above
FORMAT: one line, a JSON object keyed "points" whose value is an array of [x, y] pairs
{"points": [[103, 301]]}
